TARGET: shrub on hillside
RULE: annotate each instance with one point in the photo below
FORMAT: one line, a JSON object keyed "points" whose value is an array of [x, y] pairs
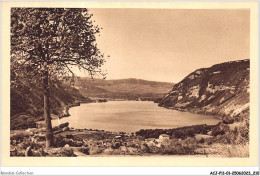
{"points": [[243, 132], [60, 152], [228, 120], [175, 147], [23, 121], [93, 150], [180, 148], [238, 150], [59, 141], [220, 129], [216, 132], [180, 133], [202, 140], [84, 150]]}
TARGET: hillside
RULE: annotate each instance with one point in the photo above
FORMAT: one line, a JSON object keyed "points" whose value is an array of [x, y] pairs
{"points": [[221, 90], [27, 102], [122, 88]]}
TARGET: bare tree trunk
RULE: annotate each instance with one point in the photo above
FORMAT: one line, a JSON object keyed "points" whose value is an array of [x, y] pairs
{"points": [[47, 114]]}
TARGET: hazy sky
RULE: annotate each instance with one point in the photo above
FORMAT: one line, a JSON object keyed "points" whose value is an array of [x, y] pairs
{"points": [[166, 44]]}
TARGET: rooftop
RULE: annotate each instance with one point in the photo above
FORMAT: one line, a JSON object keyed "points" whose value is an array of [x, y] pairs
{"points": [[164, 135]]}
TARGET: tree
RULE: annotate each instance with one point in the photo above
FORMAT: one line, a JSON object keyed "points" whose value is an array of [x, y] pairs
{"points": [[48, 43]]}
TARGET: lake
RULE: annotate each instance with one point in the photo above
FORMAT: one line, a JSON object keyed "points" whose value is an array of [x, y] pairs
{"points": [[130, 116]]}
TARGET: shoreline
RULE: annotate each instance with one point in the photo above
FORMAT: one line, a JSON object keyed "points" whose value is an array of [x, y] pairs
{"points": [[104, 100], [96, 101], [187, 141], [75, 104]]}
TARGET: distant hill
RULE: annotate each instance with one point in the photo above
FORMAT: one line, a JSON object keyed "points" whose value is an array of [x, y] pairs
{"points": [[221, 90], [121, 88]]}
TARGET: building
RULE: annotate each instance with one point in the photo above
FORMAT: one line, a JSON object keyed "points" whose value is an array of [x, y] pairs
{"points": [[164, 137]]}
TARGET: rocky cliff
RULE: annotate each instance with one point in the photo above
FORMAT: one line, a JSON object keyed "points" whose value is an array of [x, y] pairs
{"points": [[221, 90]]}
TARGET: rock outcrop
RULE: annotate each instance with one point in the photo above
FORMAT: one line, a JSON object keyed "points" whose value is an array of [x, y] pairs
{"points": [[221, 90]]}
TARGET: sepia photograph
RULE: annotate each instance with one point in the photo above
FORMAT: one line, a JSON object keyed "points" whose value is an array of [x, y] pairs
{"points": [[130, 82]]}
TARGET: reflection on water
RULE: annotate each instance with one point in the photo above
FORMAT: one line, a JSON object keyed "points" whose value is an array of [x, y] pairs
{"points": [[130, 116]]}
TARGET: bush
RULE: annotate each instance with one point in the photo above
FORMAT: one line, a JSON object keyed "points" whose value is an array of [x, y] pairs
{"points": [[16, 125], [64, 152], [238, 136], [145, 148], [219, 130], [179, 133], [228, 121], [238, 150], [25, 144], [59, 141], [209, 142], [56, 128], [178, 150], [66, 124], [110, 151], [84, 150], [202, 140], [23, 121], [18, 136], [69, 136], [18, 153], [176, 147], [95, 150], [190, 133], [243, 132], [116, 145]]}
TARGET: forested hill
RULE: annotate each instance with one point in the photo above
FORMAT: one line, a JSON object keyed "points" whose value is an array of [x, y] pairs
{"points": [[221, 90], [27, 101]]}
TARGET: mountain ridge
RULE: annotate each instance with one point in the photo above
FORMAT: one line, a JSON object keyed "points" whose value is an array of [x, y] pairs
{"points": [[131, 88]]}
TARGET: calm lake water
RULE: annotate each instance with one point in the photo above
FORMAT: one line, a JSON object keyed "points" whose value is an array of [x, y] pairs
{"points": [[130, 116]]}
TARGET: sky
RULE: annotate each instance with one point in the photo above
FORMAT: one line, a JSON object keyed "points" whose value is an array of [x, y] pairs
{"points": [[168, 44]]}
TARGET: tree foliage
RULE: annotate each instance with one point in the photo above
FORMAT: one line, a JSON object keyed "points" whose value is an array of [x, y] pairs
{"points": [[56, 39]]}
